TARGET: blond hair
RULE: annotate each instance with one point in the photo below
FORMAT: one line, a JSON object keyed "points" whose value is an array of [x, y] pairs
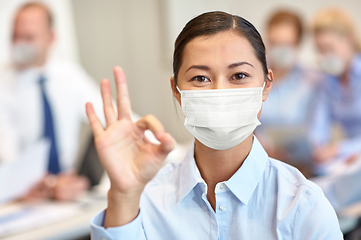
{"points": [[337, 21]]}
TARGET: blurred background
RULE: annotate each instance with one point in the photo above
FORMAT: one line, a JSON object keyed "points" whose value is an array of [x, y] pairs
{"points": [[91, 37], [139, 36]]}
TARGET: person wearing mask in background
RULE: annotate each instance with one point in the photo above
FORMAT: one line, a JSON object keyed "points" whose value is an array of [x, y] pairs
{"points": [[44, 99], [285, 117], [339, 95]]}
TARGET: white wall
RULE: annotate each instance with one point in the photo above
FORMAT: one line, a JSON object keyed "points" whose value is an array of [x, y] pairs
{"points": [[65, 46], [139, 36]]}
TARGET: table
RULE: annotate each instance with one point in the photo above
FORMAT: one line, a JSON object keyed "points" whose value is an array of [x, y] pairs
{"points": [[75, 226]]}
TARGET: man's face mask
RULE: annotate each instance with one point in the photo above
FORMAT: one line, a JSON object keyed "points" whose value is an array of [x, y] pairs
{"points": [[282, 57], [24, 54]]}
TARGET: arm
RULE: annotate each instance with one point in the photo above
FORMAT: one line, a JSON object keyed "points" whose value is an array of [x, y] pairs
{"points": [[342, 190], [349, 147], [128, 157], [132, 230], [9, 137], [320, 126], [321, 120]]}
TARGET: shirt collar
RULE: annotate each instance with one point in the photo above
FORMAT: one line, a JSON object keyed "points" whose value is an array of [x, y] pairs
{"points": [[242, 184], [245, 180], [189, 174]]}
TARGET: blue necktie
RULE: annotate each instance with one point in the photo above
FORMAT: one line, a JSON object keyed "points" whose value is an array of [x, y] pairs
{"points": [[49, 131]]}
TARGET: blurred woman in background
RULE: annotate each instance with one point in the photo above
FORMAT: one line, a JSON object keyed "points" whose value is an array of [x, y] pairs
{"points": [[339, 93], [285, 118]]}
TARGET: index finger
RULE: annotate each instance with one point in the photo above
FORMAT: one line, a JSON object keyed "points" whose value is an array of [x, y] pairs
{"points": [[123, 100]]}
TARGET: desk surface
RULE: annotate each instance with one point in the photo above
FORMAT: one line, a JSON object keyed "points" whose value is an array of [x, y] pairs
{"points": [[75, 226]]}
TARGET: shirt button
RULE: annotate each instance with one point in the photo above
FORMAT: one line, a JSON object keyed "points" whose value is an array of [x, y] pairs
{"points": [[222, 208], [222, 186]]}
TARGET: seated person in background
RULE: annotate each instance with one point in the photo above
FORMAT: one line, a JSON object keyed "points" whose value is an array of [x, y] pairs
{"points": [[339, 94], [285, 117], [44, 99]]}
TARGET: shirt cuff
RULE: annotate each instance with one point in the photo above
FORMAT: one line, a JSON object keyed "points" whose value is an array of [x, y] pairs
{"points": [[130, 231]]}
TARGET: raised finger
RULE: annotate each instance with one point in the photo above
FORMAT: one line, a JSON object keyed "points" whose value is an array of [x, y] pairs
{"points": [[153, 124], [109, 112], [94, 122], [123, 100]]}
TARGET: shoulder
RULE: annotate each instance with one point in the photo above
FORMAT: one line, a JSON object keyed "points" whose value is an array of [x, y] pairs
{"points": [[290, 179], [61, 66], [312, 214], [62, 74], [67, 71], [289, 173]]}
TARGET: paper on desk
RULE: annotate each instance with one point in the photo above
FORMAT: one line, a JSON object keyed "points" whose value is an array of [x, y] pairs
{"points": [[17, 177], [20, 217]]}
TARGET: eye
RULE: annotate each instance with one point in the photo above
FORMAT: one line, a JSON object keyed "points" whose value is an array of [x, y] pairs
{"points": [[200, 79], [239, 76]]}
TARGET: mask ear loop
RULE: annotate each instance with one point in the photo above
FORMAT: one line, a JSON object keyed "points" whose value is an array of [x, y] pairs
{"points": [[264, 85], [178, 89]]}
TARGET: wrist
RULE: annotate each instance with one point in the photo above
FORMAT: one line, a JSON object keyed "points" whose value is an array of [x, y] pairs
{"points": [[129, 197], [122, 207]]}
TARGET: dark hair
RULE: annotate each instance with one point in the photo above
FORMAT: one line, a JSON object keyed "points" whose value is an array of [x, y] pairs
{"points": [[42, 6], [287, 17], [214, 22]]}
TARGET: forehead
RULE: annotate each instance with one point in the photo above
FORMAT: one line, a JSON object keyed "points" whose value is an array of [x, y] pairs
{"points": [[329, 35], [31, 17], [282, 31], [224, 47]]}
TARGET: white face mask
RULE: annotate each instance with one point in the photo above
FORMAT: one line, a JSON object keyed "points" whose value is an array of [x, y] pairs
{"points": [[24, 54], [221, 118], [282, 57], [333, 65]]}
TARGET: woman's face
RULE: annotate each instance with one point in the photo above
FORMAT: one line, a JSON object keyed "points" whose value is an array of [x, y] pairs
{"points": [[331, 43], [221, 61]]}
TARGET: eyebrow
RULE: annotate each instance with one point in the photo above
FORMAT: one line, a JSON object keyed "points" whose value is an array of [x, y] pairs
{"points": [[233, 65], [201, 67]]}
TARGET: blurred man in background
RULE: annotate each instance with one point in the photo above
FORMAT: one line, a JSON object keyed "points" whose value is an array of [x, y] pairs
{"points": [[44, 99], [339, 95], [285, 115]]}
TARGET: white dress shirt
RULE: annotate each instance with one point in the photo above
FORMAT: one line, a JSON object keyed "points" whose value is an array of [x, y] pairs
{"points": [[68, 88], [264, 199]]}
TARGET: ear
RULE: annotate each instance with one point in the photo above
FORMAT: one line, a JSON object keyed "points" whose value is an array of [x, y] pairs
{"points": [[268, 86], [51, 36], [176, 93]]}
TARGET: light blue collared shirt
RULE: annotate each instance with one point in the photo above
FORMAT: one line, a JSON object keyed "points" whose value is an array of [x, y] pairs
{"points": [[264, 199], [342, 105]]}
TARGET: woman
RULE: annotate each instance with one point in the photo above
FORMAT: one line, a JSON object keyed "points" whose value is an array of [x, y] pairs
{"points": [[285, 115], [339, 96], [226, 187]]}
